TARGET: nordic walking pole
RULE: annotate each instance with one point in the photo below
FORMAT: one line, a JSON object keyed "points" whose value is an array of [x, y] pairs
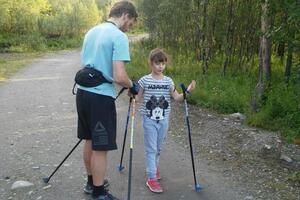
{"points": [[131, 147], [120, 92], [47, 179], [125, 134], [197, 186]]}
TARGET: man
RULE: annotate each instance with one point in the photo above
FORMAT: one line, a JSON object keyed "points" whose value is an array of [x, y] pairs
{"points": [[105, 48]]}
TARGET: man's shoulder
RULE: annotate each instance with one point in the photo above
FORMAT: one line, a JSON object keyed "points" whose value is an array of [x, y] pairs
{"points": [[119, 35], [108, 29], [113, 31]]}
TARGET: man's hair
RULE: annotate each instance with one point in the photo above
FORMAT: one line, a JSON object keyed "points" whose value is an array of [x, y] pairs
{"points": [[123, 7], [158, 55]]}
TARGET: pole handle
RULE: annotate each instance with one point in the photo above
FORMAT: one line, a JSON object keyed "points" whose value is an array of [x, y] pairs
{"points": [[183, 90]]}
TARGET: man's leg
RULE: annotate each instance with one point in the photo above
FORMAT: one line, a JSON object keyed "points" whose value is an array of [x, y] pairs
{"points": [[87, 153], [98, 169]]}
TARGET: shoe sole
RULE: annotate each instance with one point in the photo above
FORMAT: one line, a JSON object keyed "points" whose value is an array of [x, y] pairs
{"points": [[87, 191], [155, 191]]}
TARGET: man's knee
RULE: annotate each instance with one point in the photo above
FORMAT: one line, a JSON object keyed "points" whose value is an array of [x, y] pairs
{"points": [[99, 153]]}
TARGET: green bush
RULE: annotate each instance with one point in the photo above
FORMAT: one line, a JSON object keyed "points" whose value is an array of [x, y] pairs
{"points": [[64, 43], [36, 43], [281, 112]]}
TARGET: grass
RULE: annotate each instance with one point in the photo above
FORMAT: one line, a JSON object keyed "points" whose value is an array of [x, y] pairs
{"points": [[18, 50], [10, 63], [295, 177], [231, 93]]}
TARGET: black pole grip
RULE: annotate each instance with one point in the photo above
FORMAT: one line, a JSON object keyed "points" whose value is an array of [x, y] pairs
{"points": [[183, 90]]}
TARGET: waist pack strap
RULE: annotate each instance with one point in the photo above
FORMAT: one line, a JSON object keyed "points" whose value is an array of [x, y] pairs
{"points": [[73, 90]]}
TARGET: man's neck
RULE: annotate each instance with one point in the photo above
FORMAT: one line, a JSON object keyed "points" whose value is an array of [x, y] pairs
{"points": [[115, 21]]}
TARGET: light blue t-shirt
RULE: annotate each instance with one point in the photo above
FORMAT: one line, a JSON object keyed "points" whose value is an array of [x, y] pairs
{"points": [[102, 45]]}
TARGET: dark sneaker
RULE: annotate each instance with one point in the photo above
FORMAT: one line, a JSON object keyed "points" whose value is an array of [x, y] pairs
{"points": [[105, 197], [88, 189]]}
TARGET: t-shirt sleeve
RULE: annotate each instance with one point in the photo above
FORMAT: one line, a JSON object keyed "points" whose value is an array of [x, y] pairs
{"points": [[172, 85], [121, 49], [141, 82]]}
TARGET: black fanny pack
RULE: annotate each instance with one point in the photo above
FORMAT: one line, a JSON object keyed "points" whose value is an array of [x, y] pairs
{"points": [[89, 77]]}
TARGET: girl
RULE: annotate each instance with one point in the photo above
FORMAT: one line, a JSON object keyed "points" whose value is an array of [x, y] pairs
{"points": [[155, 93]]}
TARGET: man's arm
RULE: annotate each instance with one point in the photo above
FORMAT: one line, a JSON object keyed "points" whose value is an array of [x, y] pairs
{"points": [[120, 75]]}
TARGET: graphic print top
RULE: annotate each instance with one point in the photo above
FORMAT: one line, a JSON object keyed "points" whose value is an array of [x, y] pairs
{"points": [[156, 102]]}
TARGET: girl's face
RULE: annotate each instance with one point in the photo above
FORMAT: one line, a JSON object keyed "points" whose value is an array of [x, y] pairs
{"points": [[158, 67]]}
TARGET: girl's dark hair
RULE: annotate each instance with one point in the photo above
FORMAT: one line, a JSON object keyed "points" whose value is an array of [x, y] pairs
{"points": [[123, 7], [158, 55]]}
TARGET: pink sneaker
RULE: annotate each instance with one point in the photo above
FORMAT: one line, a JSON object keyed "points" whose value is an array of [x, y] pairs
{"points": [[154, 185], [158, 177]]}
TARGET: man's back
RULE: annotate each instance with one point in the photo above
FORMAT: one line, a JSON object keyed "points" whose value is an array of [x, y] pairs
{"points": [[103, 44]]}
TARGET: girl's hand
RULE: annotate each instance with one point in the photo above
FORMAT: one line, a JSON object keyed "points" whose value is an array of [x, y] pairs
{"points": [[191, 86]]}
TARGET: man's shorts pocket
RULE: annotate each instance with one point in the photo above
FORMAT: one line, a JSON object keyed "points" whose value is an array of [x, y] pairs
{"points": [[99, 136]]}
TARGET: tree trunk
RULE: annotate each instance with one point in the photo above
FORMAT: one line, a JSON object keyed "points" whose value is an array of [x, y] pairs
{"points": [[264, 76], [289, 59], [204, 43], [290, 50], [266, 44], [198, 32], [212, 34], [228, 37], [280, 50], [281, 45]]}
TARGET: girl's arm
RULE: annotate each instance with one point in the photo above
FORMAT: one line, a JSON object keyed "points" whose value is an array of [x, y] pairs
{"points": [[139, 96], [179, 97], [176, 96]]}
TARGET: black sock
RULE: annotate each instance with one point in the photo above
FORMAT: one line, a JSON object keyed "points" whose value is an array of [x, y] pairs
{"points": [[90, 179], [98, 190]]}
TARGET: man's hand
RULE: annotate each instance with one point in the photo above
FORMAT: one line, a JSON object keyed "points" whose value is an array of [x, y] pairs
{"points": [[134, 90]]}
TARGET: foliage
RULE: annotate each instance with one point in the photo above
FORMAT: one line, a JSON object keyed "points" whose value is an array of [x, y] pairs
{"points": [[36, 25], [219, 41], [228, 94], [295, 177], [48, 17]]}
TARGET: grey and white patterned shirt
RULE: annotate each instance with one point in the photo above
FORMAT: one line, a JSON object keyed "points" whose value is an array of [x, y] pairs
{"points": [[156, 102]]}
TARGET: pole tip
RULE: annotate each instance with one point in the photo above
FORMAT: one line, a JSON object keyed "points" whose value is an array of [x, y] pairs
{"points": [[120, 168], [198, 187], [46, 180]]}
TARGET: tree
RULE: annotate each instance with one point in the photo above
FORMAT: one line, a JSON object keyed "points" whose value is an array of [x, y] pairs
{"points": [[264, 76]]}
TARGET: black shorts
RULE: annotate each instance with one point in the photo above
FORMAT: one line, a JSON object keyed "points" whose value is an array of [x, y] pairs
{"points": [[96, 120]]}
